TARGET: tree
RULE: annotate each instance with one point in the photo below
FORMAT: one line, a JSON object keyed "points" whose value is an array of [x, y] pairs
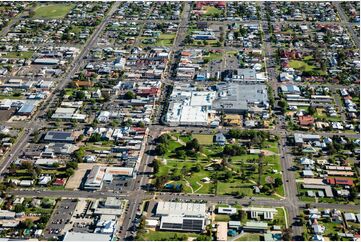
{"points": [[95, 137], [193, 145], [72, 164], [106, 96], [69, 172], [287, 234], [196, 168], [181, 154], [161, 149], [27, 224], [234, 149], [283, 105], [278, 182], [79, 154], [164, 138], [311, 110], [19, 208], [115, 123], [79, 95], [129, 95], [156, 165], [28, 166]]}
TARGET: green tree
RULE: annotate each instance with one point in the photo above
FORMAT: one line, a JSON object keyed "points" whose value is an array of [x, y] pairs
{"points": [[95, 137], [283, 105], [278, 182], [69, 172], [19, 208], [79, 154], [129, 95], [311, 110], [72, 164], [193, 145], [161, 149]]}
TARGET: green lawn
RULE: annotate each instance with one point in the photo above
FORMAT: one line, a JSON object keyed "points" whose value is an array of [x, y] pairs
{"points": [[222, 218], [321, 115], [204, 139], [180, 170], [214, 56], [53, 11], [212, 11], [161, 236], [280, 216], [230, 187], [298, 65], [20, 54], [250, 237]]}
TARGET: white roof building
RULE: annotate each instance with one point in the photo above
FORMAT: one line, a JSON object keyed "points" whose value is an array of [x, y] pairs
{"points": [[181, 209], [75, 236], [255, 212]]}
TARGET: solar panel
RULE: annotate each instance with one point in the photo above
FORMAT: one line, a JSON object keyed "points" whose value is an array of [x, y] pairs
{"points": [[192, 224], [187, 224]]}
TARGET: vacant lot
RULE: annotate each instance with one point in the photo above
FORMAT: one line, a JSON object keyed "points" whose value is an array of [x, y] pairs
{"points": [[300, 65], [76, 179], [53, 11], [204, 139]]}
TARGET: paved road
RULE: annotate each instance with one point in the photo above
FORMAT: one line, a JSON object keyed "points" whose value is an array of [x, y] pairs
{"points": [[12, 22], [345, 21]]}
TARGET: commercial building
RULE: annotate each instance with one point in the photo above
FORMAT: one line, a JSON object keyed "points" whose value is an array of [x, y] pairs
{"points": [[190, 107], [300, 139], [176, 216], [227, 210], [266, 213], [254, 226], [100, 174], [244, 76], [59, 136], [75, 236], [46, 61], [241, 99]]}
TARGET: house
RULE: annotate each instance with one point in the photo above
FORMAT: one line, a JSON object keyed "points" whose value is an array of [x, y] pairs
{"points": [[220, 139], [307, 173], [318, 229], [350, 217], [44, 179], [59, 182], [340, 181], [306, 120]]}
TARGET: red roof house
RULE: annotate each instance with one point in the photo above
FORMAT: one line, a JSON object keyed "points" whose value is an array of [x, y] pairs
{"points": [[340, 181]]}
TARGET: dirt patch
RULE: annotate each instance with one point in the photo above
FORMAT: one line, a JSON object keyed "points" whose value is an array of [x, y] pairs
{"points": [[268, 153], [75, 180]]}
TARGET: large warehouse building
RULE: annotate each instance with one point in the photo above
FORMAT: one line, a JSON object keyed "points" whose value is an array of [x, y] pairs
{"points": [[176, 216]]}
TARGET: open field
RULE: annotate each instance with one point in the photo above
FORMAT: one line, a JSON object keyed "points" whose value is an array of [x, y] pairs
{"points": [[53, 11]]}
